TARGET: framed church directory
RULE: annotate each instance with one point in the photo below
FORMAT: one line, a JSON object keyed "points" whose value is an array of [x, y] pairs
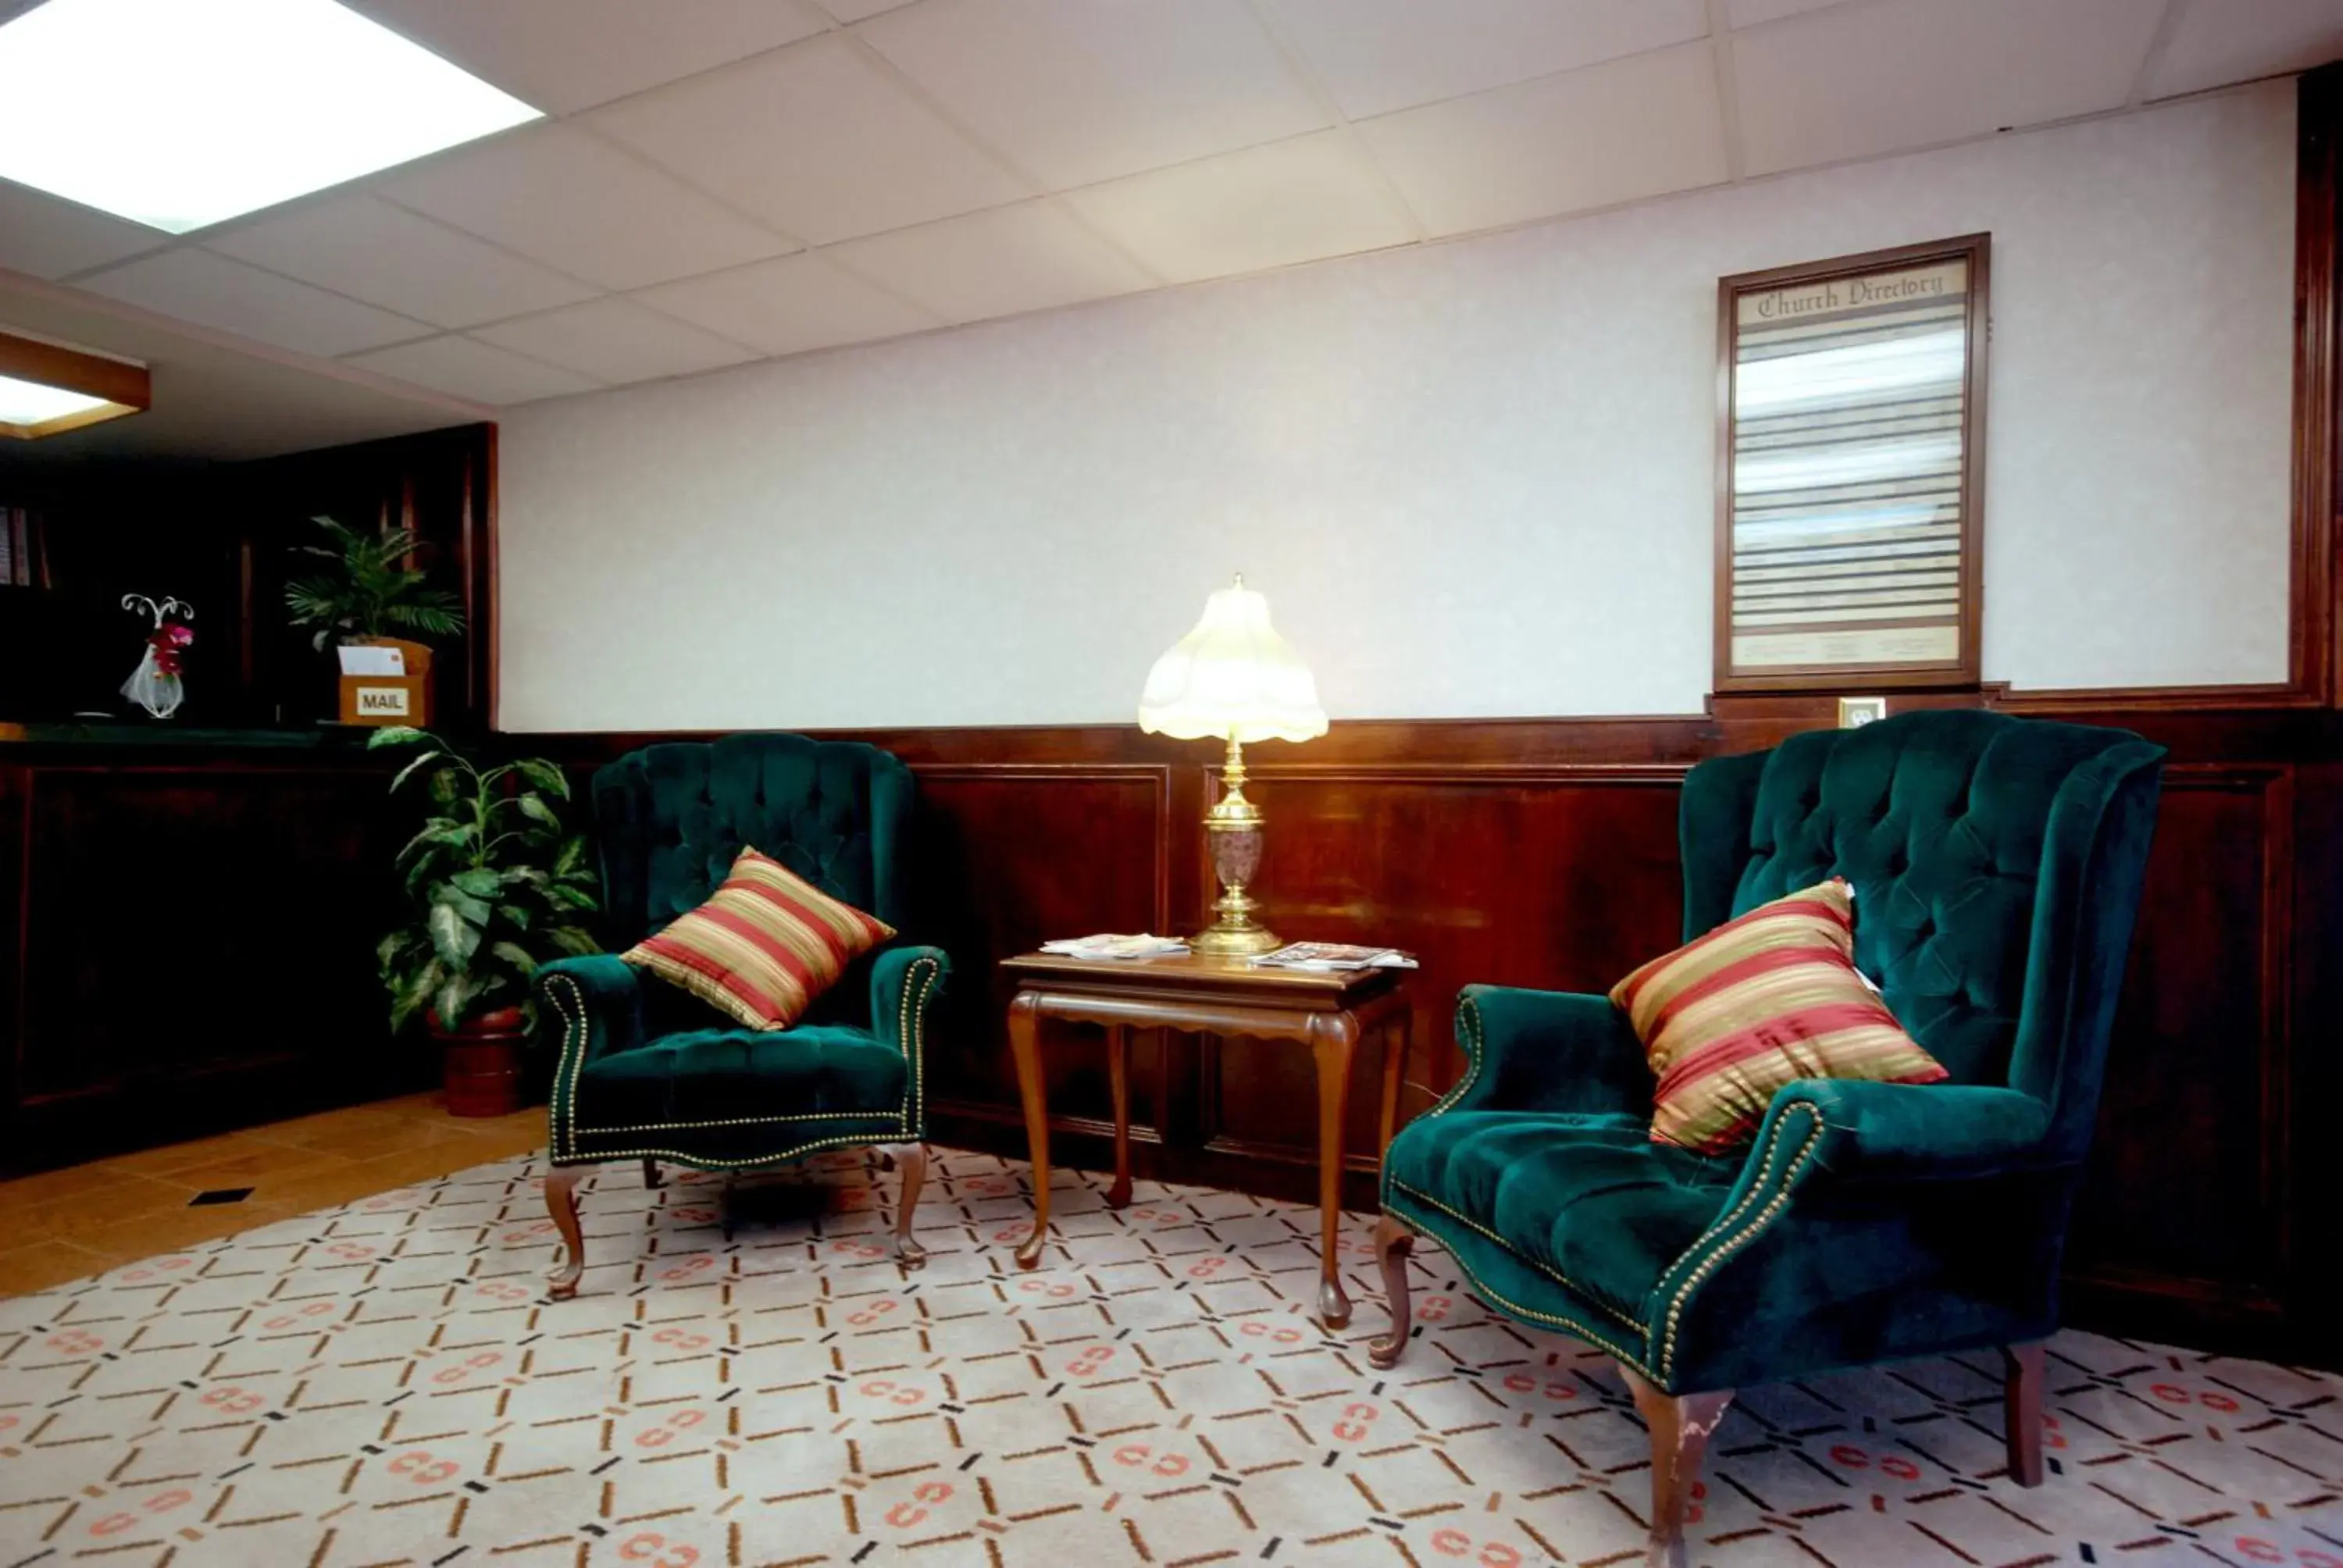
{"points": [[1850, 469]]}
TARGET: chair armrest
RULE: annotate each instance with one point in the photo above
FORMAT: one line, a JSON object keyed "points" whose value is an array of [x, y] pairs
{"points": [[1547, 1051], [903, 982], [1821, 1133], [595, 1003], [1917, 1131], [1842, 1164]]}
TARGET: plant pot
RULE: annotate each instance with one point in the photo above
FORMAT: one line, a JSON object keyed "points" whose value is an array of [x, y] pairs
{"points": [[480, 1064]]}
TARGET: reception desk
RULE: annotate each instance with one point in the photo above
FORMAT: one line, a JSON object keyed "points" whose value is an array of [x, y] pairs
{"points": [[187, 924]]}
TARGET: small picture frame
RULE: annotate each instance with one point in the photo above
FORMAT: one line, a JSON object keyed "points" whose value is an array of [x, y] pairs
{"points": [[1855, 712]]}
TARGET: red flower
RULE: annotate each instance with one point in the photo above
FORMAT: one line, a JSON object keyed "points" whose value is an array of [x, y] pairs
{"points": [[166, 640]]}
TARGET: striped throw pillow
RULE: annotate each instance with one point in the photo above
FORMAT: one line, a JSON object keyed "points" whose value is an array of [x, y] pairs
{"points": [[763, 945], [1761, 1001]]}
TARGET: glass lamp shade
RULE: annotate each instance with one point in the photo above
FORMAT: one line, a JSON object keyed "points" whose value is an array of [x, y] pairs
{"points": [[1233, 678]]}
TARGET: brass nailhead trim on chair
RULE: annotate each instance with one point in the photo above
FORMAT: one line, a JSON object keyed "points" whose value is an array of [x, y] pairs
{"points": [[1734, 1242], [911, 1039], [1531, 1314], [745, 1121], [1556, 1275], [1467, 1009], [1468, 1015]]}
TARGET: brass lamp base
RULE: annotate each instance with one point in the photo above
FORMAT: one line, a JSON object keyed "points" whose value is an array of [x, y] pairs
{"points": [[1234, 827], [1225, 938]]}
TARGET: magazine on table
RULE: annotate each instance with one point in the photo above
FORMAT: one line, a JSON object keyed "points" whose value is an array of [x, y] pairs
{"points": [[1109, 945], [1335, 956]]}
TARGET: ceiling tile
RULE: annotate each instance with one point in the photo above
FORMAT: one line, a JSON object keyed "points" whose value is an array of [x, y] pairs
{"points": [[816, 139], [1752, 13], [615, 340], [388, 256], [49, 238], [1267, 207], [856, 10], [563, 55], [1377, 55], [471, 370], [2220, 42], [1610, 132], [1080, 93], [572, 201], [213, 291], [785, 307], [1860, 80], [1028, 257]]}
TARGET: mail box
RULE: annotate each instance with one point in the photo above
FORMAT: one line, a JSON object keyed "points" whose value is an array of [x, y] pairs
{"points": [[386, 680]]}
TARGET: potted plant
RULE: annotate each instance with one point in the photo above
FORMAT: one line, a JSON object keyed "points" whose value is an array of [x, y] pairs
{"points": [[368, 595], [499, 885]]}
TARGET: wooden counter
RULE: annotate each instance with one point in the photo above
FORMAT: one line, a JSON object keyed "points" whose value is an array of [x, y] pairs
{"points": [[187, 924]]}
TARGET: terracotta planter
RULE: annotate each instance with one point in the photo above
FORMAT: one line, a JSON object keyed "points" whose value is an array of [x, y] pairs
{"points": [[480, 1064]]}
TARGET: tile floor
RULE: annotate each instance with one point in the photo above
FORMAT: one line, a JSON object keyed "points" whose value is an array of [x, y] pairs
{"points": [[84, 1218]]}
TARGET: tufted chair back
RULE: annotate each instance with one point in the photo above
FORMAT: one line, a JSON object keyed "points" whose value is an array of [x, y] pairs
{"points": [[673, 816], [1997, 865]]}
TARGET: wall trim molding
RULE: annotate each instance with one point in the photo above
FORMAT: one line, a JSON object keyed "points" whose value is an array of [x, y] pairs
{"points": [[2315, 619]]}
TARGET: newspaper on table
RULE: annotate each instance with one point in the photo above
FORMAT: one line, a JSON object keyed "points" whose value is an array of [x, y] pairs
{"points": [[1109, 945], [1328, 956]]}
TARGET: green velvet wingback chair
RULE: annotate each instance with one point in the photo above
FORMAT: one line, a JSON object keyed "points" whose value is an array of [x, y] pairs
{"points": [[648, 1072], [1996, 863]]}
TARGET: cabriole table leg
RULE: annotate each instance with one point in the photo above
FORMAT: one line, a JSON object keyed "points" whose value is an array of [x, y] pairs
{"points": [[1025, 1046]]}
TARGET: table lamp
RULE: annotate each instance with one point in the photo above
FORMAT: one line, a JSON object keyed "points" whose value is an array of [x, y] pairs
{"points": [[1233, 678]]}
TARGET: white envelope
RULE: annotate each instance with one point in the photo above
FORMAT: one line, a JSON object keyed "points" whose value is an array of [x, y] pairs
{"points": [[361, 659]]}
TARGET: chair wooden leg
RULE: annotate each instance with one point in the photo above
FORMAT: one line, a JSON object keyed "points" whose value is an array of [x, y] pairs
{"points": [[651, 1177], [2021, 1410], [1393, 1241], [911, 1159], [561, 1202], [1680, 1425]]}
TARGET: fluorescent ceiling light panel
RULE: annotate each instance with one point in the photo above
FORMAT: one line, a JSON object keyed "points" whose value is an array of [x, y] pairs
{"points": [[48, 388], [30, 403], [183, 112]]}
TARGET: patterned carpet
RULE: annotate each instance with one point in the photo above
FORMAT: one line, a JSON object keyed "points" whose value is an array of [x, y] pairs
{"points": [[384, 1382]]}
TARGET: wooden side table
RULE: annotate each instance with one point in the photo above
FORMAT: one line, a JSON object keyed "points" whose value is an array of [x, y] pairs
{"points": [[1329, 1013]]}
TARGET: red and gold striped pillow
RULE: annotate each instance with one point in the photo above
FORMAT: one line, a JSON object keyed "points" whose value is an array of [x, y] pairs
{"points": [[763, 945], [1761, 1001]]}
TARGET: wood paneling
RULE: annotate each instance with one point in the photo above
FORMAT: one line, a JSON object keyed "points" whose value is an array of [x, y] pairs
{"points": [[1560, 875], [191, 946], [2187, 1198], [1011, 855]]}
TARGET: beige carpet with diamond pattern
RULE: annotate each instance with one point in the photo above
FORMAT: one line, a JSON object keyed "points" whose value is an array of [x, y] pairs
{"points": [[384, 1383]]}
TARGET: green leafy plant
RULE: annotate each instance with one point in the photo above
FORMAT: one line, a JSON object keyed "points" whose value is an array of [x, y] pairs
{"points": [[370, 589], [499, 883]]}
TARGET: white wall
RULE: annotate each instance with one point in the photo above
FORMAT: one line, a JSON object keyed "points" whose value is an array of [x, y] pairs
{"points": [[1474, 479]]}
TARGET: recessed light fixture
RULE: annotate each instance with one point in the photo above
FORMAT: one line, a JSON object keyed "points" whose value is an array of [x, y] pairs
{"points": [[46, 388], [182, 112]]}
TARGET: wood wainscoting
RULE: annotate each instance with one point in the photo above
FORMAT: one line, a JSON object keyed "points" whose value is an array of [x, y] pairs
{"points": [[186, 939], [1544, 853]]}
